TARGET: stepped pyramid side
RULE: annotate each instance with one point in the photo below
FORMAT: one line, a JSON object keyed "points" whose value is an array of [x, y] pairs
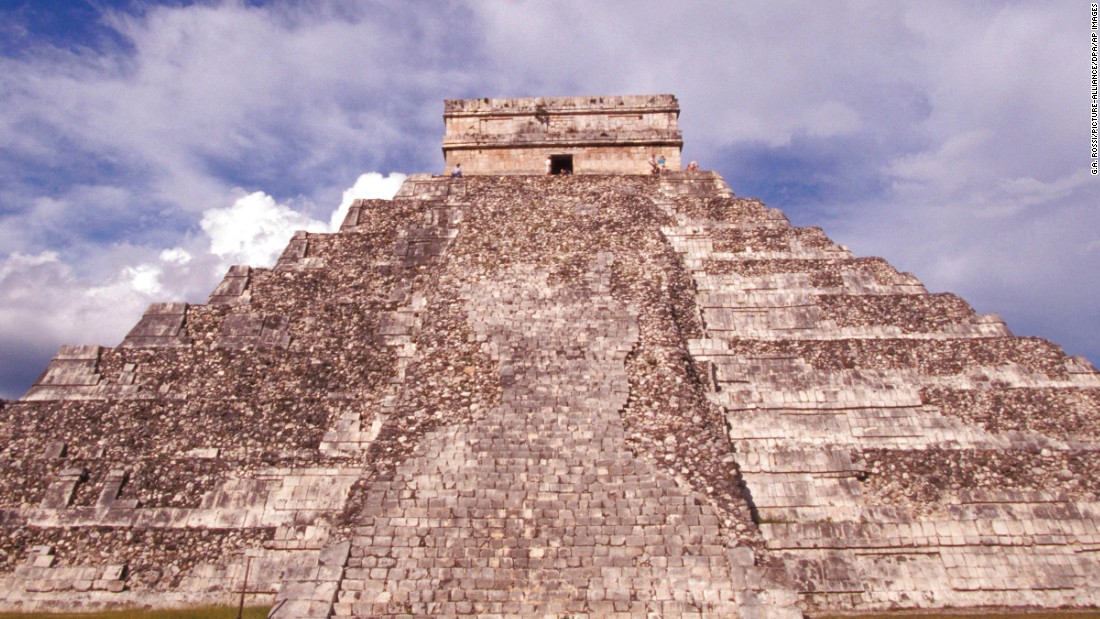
{"points": [[900, 451], [531, 395]]}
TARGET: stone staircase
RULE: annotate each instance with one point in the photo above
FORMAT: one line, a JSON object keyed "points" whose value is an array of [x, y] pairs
{"points": [[822, 360], [537, 508]]}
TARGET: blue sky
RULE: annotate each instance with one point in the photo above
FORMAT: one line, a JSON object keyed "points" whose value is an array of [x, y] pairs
{"points": [[146, 146]]}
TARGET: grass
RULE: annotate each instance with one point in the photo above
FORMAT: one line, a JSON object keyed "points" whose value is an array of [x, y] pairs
{"points": [[209, 612]]}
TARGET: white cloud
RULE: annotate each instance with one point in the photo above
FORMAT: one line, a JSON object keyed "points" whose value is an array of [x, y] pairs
{"points": [[16, 263], [744, 72], [953, 130], [143, 279], [371, 185], [176, 255], [254, 230], [43, 301]]}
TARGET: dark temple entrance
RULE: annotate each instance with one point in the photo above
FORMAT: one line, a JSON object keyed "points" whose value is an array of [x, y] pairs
{"points": [[561, 164]]}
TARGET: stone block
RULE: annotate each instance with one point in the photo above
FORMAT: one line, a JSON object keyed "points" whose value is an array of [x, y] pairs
{"points": [[59, 494], [233, 289], [115, 572], [741, 557], [162, 326], [55, 449], [335, 555]]}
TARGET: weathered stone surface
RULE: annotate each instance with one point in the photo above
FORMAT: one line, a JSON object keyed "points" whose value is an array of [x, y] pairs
{"points": [[601, 395], [162, 326], [899, 451], [233, 289], [596, 135], [73, 374]]}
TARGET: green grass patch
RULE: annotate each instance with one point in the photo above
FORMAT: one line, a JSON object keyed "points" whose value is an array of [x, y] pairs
{"points": [[209, 612]]}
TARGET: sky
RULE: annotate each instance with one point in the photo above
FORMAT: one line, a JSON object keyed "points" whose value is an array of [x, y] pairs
{"points": [[145, 146]]}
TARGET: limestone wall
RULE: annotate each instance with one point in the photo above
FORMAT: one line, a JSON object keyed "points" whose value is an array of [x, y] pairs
{"points": [[586, 159], [603, 134]]}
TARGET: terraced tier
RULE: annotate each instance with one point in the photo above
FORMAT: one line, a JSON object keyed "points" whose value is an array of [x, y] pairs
{"points": [[900, 450], [542, 395]]}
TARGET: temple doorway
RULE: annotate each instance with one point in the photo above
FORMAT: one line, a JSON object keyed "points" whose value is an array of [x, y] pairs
{"points": [[561, 164]]}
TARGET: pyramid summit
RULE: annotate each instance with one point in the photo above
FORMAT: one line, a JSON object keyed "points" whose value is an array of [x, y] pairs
{"points": [[513, 393], [576, 135]]}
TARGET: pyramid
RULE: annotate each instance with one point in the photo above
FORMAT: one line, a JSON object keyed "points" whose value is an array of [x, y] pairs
{"points": [[593, 394]]}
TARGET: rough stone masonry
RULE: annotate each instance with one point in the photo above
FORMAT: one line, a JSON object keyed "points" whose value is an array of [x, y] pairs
{"points": [[528, 395]]}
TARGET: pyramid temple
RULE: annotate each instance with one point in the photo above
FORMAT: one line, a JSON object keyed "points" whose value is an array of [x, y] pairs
{"points": [[593, 392]]}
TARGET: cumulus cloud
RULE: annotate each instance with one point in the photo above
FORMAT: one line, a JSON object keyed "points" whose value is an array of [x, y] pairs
{"points": [[254, 230], [944, 136], [744, 72], [371, 185]]}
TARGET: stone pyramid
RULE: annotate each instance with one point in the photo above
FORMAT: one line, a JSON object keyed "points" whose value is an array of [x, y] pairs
{"points": [[527, 395]]}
